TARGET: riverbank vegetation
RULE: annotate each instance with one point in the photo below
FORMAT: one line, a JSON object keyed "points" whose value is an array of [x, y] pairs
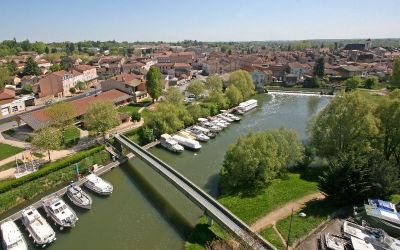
{"points": [[16, 191]]}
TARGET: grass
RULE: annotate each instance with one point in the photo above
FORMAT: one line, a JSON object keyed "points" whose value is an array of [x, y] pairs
{"points": [[71, 136], [9, 165], [133, 135], [129, 109], [270, 235], [281, 191], [395, 198], [202, 233], [370, 96], [8, 150], [9, 132], [316, 212]]}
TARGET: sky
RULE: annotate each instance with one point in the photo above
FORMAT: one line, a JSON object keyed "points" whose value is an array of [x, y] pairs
{"points": [[203, 20]]}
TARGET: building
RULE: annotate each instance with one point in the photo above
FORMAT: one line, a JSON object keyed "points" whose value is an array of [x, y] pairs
{"points": [[59, 83], [261, 77], [38, 119], [131, 84], [88, 72], [10, 104]]}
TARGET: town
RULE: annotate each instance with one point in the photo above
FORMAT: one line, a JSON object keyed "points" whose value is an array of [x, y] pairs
{"points": [[191, 144]]}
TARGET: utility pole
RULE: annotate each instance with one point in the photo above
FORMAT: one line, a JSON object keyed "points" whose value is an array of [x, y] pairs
{"points": [[290, 229]]}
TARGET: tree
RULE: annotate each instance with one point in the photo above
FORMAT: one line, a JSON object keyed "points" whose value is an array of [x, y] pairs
{"points": [[3, 76], [319, 67], [145, 135], [218, 98], [214, 83], [256, 159], [27, 88], [388, 113], [101, 117], [353, 83], [154, 84], [371, 82], [46, 50], [66, 63], [196, 88], [55, 67], [39, 47], [81, 85], [346, 124], [395, 77], [31, 68], [352, 178], [234, 96], [72, 90], [197, 111], [243, 82], [314, 82], [61, 115], [47, 139], [174, 95], [12, 68], [136, 116]]}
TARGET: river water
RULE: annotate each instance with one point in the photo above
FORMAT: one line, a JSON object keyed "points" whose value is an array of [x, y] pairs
{"points": [[146, 212]]}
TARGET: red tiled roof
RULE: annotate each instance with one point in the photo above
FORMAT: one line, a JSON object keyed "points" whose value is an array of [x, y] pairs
{"points": [[7, 94]]}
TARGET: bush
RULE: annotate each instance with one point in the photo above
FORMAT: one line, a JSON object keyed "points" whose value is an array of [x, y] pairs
{"points": [[49, 168], [146, 135], [72, 90], [136, 116]]}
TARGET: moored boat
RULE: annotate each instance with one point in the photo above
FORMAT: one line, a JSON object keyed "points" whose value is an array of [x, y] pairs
{"points": [[79, 197], [60, 212], [167, 142], [39, 229], [200, 136], [247, 105], [12, 237], [98, 185], [188, 143]]}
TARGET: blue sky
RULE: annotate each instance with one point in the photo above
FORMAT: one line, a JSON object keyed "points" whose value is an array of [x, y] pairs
{"points": [[206, 20]]}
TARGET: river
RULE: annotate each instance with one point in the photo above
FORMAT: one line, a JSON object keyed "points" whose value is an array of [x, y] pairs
{"points": [[146, 212]]}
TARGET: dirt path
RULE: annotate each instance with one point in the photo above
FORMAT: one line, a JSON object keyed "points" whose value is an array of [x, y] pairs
{"points": [[283, 212]]}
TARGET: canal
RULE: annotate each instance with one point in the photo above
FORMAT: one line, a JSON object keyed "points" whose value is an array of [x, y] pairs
{"points": [[146, 212]]}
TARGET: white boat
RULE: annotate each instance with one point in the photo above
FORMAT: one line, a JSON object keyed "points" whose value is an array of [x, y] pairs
{"points": [[186, 135], [40, 231], [98, 185], [211, 127], [247, 105], [189, 143], [225, 118], [205, 131], [233, 117], [198, 135], [167, 142], [334, 242], [59, 212], [79, 197], [202, 120], [12, 237]]}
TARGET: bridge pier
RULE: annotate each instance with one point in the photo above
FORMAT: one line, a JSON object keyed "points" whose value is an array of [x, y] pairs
{"points": [[209, 219]]}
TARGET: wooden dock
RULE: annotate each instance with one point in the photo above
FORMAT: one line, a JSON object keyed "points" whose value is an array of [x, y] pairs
{"points": [[61, 192]]}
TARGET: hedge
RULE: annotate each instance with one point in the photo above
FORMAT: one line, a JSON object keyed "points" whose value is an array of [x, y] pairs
{"points": [[49, 168]]}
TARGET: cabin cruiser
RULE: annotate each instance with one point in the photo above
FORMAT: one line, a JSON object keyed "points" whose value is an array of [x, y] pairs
{"points": [[40, 231], [225, 118], [198, 134], [167, 142], [187, 135], [98, 185], [60, 212], [233, 117], [12, 237], [334, 242], [79, 197], [189, 143], [211, 127], [205, 131], [247, 105]]}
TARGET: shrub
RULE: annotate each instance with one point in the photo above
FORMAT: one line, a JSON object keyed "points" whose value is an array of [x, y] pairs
{"points": [[136, 116], [72, 90]]}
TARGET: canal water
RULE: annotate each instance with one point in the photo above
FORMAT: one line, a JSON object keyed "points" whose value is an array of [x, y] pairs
{"points": [[146, 212]]}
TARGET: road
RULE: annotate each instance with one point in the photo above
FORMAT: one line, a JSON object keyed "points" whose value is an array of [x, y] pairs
{"points": [[9, 121]]}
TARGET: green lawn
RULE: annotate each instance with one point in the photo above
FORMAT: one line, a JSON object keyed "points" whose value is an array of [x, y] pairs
{"points": [[71, 136], [316, 212], [270, 235], [7, 151], [129, 109], [370, 96], [9, 165], [294, 186]]}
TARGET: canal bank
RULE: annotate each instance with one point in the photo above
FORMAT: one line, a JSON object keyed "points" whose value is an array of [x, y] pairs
{"points": [[146, 212]]}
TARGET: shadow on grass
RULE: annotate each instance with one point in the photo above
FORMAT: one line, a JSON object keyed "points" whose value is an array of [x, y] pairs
{"points": [[308, 173], [201, 234]]}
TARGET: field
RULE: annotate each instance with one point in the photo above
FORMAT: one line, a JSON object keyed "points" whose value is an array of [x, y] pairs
{"points": [[270, 235], [129, 109], [7, 151], [71, 136]]}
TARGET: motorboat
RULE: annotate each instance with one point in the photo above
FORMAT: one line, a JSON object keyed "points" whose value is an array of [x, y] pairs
{"points": [[233, 117], [205, 131], [98, 185], [186, 135], [39, 229], [247, 105], [188, 143], [79, 197], [167, 142], [225, 118], [200, 136], [60, 212], [12, 236], [334, 242], [211, 127]]}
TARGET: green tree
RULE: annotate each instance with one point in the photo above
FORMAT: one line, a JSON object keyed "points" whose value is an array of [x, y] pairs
{"points": [[55, 67], [72, 90], [319, 68], [353, 83], [197, 111], [352, 178], [81, 85], [218, 98], [256, 159], [31, 68], [196, 87], [61, 115], [243, 82], [26, 45], [395, 77], [47, 139], [346, 124], [101, 117], [4, 76], [213, 83], [27, 88], [234, 96], [146, 135], [66, 63], [136, 116], [12, 68], [39, 47], [371, 82], [174, 95], [154, 84], [388, 113], [46, 50]]}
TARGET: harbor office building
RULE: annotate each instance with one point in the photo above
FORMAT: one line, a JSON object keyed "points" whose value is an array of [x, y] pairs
{"points": [[38, 119]]}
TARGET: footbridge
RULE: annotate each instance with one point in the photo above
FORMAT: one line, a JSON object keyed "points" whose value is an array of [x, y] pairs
{"points": [[211, 207]]}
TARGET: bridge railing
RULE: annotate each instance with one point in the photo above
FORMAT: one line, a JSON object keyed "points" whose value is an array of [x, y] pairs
{"points": [[205, 195]]}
